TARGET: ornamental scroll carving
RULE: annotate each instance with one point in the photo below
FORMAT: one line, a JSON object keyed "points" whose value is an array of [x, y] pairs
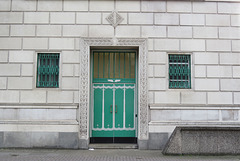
{"points": [[84, 85]]}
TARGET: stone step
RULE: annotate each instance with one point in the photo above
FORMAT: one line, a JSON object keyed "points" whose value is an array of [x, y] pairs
{"points": [[112, 146]]}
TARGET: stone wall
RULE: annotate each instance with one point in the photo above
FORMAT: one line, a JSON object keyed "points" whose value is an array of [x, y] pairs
{"points": [[209, 31]]}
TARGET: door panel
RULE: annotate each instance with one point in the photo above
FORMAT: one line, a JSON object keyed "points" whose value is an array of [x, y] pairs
{"points": [[119, 108], [98, 104], [108, 106], [129, 111]]}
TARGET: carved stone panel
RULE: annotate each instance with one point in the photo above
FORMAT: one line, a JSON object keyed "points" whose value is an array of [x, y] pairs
{"points": [[84, 84]]}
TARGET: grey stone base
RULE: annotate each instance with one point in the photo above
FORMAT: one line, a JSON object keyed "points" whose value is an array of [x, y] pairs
{"points": [[39, 140], [83, 143], [204, 140], [157, 141]]}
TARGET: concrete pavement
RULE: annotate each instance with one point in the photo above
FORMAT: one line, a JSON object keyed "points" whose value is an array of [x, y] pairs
{"points": [[100, 155]]}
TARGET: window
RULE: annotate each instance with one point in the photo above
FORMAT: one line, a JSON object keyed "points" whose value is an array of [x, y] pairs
{"points": [[179, 71], [48, 70]]}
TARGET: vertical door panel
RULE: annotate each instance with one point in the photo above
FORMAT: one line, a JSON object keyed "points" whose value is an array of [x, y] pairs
{"points": [[108, 106], [119, 108], [98, 102], [129, 107]]}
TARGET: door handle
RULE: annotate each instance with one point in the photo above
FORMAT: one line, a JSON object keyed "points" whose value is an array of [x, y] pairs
{"points": [[115, 108], [111, 109]]}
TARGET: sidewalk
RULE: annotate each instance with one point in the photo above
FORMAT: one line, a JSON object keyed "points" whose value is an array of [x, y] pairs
{"points": [[100, 155]]}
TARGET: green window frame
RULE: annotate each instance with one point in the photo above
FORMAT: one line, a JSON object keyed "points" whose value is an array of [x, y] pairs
{"points": [[179, 71], [48, 70]]}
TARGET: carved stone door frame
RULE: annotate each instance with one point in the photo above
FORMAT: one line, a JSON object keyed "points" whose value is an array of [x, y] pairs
{"points": [[84, 85]]}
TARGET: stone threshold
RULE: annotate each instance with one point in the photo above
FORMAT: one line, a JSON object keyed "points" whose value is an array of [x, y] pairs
{"points": [[112, 146]]}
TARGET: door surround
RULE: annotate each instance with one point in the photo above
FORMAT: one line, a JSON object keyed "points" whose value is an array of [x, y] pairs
{"points": [[84, 85]]}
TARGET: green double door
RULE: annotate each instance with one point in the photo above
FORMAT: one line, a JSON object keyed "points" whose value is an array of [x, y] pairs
{"points": [[113, 96]]}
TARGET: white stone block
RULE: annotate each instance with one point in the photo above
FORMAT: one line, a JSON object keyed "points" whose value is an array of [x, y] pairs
{"points": [[75, 5], [167, 97], [192, 45], [159, 70], [206, 84], [230, 58], [157, 83], [218, 45], [235, 20], [179, 32], [67, 70], [5, 5], [62, 114], [166, 44], [219, 71], [236, 71], [192, 19], [165, 115], [88, 18], [150, 70], [70, 57], [123, 15], [76, 70], [213, 115], [204, 7], [153, 6], [33, 96], [154, 31], [49, 30], [230, 84], [21, 56], [76, 97], [150, 97], [179, 6], [35, 43], [4, 30], [9, 114], [46, 5], [22, 30], [157, 57], [150, 44], [220, 98], [103, 5], [236, 45], [128, 31], [9, 96], [217, 20], [130, 6], [140, 18], [3, 82], [229, 33], [10, 69], [200, 71], [32, 114], [194, 115], [230, 115], [236, 98], [70, 83], [20, 83], [101, 31], [166, 19], [23, 5], [75, 30], [36, 17], [205, 32], [11, 17], [229, 8], [193, 98], [10, 43], [60, 97], [27, 70], [205, 58], [62, 18], [3, 56], [61, 43]]}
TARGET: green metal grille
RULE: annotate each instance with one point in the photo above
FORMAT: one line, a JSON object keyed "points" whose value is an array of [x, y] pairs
{"points": [[179, 71], [48, 70]]}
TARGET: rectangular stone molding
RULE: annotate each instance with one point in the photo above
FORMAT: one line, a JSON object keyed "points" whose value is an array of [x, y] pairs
{"points": [[165, 115]]}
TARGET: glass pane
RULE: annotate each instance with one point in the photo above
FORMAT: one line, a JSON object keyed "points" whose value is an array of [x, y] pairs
{"points": [[132, 65], [127, 66], [117, 65], [122, 69], [106, 65], [100, 65], [95, 64], [111, 65]]}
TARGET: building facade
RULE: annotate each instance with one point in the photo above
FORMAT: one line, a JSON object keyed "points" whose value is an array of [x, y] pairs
{"points": [[75, 72]]}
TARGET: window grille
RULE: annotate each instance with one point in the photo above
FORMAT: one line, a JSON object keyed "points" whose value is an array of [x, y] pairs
{"points": [[48, 70], [179, 71]]}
